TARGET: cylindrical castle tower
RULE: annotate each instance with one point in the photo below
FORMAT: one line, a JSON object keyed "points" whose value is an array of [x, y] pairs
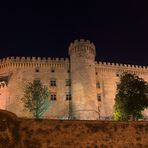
{"points": [[83, 80]]}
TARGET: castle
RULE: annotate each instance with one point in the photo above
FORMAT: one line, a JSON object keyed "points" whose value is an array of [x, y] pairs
{"points": [[79, 86]]}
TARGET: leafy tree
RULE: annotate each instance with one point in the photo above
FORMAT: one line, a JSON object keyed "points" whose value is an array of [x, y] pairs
{"points": [[131, 98], [35, 98]]}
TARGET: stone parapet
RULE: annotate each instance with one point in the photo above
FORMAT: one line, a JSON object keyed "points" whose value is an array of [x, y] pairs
{"points": [[23, 62], [84, 44], [32, 59], [121, 67]]}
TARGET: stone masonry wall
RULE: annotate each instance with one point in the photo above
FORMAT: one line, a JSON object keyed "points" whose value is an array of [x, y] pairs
{"points": [[83, 80], [21, 133], [23, 70], [107, 74]]}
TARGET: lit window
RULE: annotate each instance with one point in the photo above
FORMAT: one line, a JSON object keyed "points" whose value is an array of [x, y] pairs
{"points": [[53, 97], [99, 97], [97, 85], [52, 82], [68, 82], [68, 96]]}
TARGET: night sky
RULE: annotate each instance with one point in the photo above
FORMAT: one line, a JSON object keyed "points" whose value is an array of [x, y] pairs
{"points": [[119, 29]]}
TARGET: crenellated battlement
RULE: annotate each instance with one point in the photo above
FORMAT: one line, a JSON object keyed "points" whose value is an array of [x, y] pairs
{"points": [[121, 67], [33, 59], [82, 41], [83, 45], [33, 62], [58, 62]]}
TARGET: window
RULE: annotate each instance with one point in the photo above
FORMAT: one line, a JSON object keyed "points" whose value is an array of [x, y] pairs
{"points": [[117, 75], [52, 82], [53, 97], [99, 97], [97, 85], [52, 70], [68, 82], [37, 70], [96, 73], [68, 71], [68, 96]]}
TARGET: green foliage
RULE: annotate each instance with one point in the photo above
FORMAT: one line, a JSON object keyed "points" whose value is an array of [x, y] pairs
{"points": [[131, 98], [36, 98]]}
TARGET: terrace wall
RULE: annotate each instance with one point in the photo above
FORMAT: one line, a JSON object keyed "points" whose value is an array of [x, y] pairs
{"points": [[21, 133]]}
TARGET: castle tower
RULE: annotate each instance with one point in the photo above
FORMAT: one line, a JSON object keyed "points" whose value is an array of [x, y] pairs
{"points": [[83, 81]]}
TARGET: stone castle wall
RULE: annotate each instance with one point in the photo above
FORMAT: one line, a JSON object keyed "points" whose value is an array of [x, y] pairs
{"points": [[83, 72], [23, 70], [108, 76]]}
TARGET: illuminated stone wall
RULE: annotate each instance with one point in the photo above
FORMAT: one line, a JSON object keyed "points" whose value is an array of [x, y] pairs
{"points": [[83, 71], [21, 71], [21, 133], [108, 76], [83, 134], [3, 95], [84, 103]]}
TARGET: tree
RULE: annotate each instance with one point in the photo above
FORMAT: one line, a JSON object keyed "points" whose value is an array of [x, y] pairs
{"points": [[131, 98], [35, 98]]}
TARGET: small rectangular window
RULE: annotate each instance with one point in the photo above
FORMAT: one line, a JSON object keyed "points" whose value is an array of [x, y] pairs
{"points": [[37, 70], [53, 97], [52, 70], [97, 85], [117, 75], [68, 82], [52, 82], [68, 96], [99, 97]]}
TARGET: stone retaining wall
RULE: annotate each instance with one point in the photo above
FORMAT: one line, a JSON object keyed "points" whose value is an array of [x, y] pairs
{"points": [[29, 133]]}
